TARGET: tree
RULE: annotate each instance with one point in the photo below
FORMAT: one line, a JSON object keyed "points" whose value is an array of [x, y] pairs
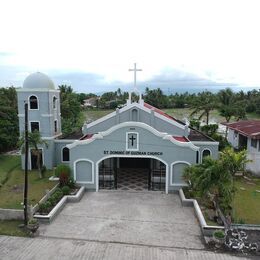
{"points": [[234, 161], [9, 127], [204, 103], [211, 180], [34, 139], [70, 110], [155, 97]]}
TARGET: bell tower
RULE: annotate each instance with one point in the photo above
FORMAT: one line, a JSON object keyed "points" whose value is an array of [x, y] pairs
{"points": [[43, 113]]}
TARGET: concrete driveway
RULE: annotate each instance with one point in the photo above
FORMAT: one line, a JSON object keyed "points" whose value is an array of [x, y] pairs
{"points": [[136, 218]]}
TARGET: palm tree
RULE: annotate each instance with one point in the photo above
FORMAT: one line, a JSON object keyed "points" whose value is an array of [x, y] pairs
{"points": [[211, 180], [34, 139], [204, 103], [234, 161]]}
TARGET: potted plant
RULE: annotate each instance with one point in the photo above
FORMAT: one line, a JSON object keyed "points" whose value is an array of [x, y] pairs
{"points": [[219, 236], [33, 225]]}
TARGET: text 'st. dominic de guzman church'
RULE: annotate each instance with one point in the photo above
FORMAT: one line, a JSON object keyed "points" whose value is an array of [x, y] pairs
{"points": [[135, 147]]}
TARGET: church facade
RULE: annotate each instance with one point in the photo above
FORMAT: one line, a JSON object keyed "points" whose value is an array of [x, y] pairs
{"points": [[136, 143]]}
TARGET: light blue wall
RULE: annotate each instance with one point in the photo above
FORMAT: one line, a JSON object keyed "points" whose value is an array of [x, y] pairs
{"points": [[148, 142], [45, 115]]}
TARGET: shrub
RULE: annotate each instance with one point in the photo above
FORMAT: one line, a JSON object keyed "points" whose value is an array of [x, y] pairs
{"points": [[58, 194], [52, 200], [62, 168], [241, 221], [72, 183], [66, 190], [64, 179], [219, 234], [42, 208], [32, 221], [48, 205]]}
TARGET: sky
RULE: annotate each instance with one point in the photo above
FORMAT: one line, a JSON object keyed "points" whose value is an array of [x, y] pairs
{"points": [[91, 44]]}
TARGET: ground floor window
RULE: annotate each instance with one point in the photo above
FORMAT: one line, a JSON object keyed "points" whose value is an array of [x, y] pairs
{"points": [[206, 153], [65, 154]]}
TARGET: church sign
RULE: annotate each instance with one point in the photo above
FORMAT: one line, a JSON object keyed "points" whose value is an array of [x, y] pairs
{"points": [[151, 153]]}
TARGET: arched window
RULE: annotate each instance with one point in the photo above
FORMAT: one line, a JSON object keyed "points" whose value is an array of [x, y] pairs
{"points": [[65, 154], [54, 102], [134, 115], [206, 153], [33, 101]]}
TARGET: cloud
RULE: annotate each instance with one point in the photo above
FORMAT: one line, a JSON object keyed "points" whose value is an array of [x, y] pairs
{"points": [[169, 80]]}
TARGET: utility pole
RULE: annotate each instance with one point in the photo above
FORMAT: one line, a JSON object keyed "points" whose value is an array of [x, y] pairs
{"points": [[25, 201]]}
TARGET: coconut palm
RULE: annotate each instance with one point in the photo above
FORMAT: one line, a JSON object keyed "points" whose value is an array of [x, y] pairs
{"points": [[34, 140], [203, 104]]}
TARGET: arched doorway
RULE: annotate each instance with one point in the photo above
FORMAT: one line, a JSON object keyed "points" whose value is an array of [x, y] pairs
{"points": [[132, 174]]}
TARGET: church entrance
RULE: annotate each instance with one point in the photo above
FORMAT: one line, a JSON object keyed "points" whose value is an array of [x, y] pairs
{"points": [[132, 174]]}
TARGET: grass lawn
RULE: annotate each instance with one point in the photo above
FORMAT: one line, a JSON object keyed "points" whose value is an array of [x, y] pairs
{"points": [[10, 228], [247, 200], [7, 164], [94, 114], [11, 193]]}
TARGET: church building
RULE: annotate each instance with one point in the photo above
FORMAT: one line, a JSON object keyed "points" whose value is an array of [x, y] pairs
{"points": [[135, 147]]}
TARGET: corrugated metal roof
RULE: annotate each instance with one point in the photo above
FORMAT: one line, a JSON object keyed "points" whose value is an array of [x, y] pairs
{"points": [[246, 127]]}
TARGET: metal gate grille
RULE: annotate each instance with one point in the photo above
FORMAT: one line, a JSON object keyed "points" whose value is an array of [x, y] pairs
{"points": [[108, 174], [157, 175]]}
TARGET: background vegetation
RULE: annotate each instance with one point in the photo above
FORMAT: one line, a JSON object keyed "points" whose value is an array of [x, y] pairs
{"points": [[225, 105]]}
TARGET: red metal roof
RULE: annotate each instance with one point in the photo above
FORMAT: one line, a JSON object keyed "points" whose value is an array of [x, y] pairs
{"points": [[248, 127], [87, 136], [181, 139]]}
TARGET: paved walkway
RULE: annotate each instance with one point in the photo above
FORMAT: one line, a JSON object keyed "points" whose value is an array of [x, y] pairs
{"points": [[114, 225], [137, 218], [17, 248]]}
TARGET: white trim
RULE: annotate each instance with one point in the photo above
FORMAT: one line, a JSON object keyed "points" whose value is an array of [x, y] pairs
{"points": [[30, 159], [205, 143], [133, 156], [30, 128], [64, 141], [180, 184], [92, 174], [62, 154], [47, 115], [20, 115], [171, 171], [164, 136], [37, 90], [52, 137], [29, 104], [137, 141], [210, 153]]}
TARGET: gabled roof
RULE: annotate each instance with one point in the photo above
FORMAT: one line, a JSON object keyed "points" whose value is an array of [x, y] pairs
{"points": [[249, 128], [146, 107]]}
